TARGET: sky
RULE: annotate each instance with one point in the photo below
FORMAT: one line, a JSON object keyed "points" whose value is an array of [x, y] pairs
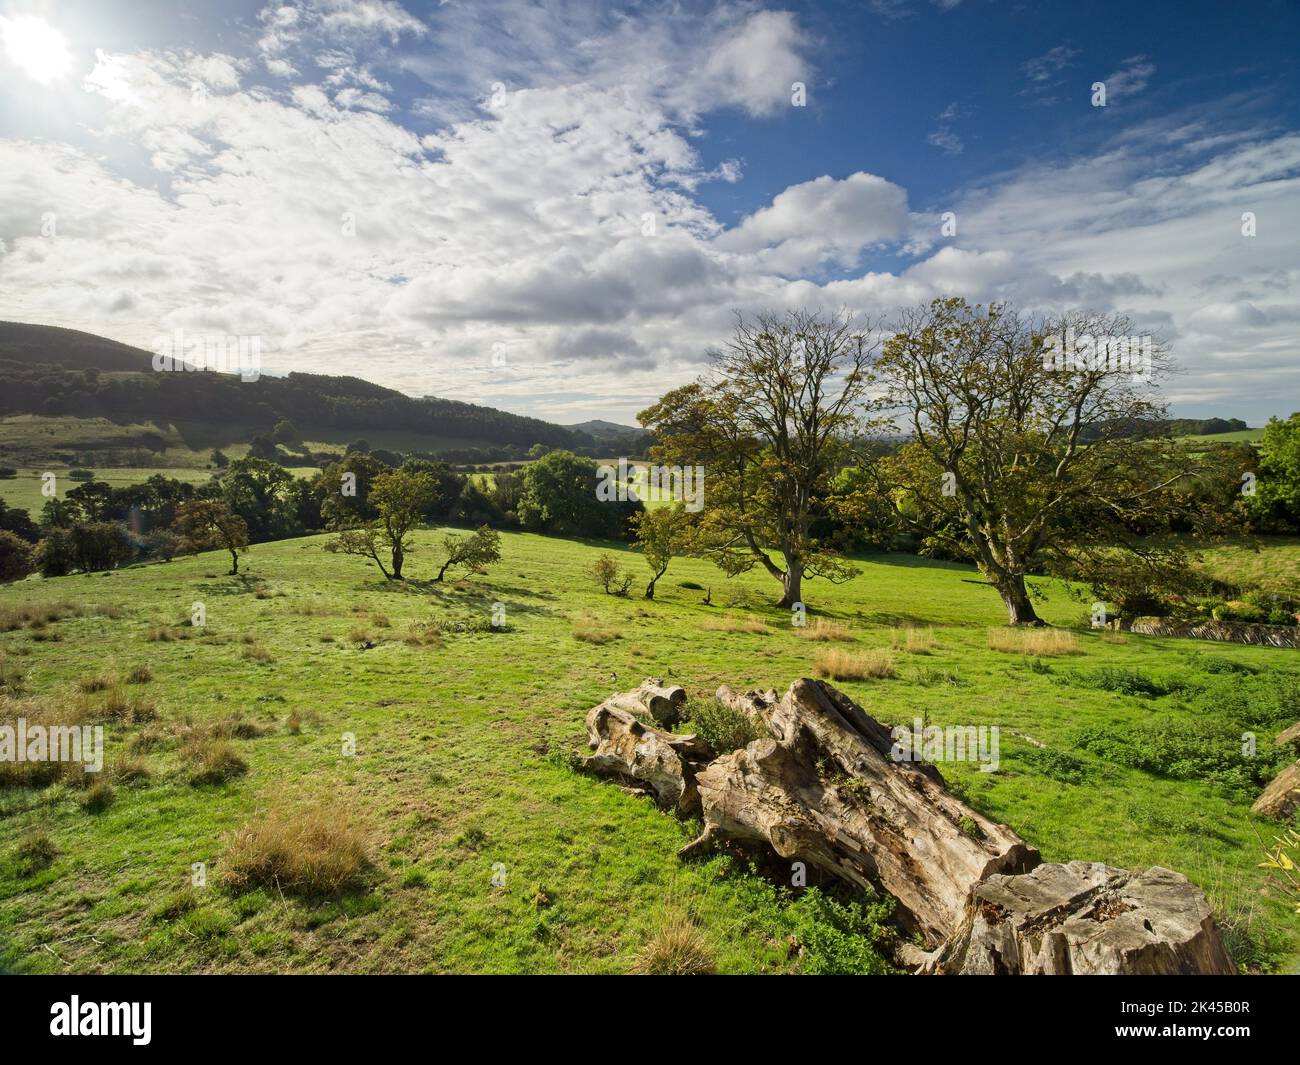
{"points": [[558, 208]]}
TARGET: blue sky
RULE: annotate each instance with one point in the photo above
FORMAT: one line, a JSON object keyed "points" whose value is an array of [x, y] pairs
{"points": [[556, 208]]}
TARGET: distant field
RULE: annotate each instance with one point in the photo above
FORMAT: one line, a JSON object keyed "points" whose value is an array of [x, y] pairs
{"points": [[25, 490], [462, 757], [1275, 568], [1252, 436]]}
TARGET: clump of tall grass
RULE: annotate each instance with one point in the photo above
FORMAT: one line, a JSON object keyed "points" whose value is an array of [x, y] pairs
{"points": [[824, 629], [311, 850], [849, 665], [1042, 642], [913, 641], [590, 630], [678, 948], [735, 624]]}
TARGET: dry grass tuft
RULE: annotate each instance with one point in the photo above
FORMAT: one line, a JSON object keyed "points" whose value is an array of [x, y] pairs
{"points": [[914, 641], [1040, 642], [423, 634], [313, 850], [679, 948], [590, 630], [849, 665], [734, 624], [824, 630], [210, 761]]}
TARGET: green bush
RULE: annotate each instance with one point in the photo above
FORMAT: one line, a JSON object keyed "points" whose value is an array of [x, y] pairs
{"points": [[724, 728], [841, 938], [1057, 765], [1124, 681]]}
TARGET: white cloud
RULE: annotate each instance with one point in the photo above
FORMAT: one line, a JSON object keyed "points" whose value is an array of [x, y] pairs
{"points": [[820, 220], [563, 222]]}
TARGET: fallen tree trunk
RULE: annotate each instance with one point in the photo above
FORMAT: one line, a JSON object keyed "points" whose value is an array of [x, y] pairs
{"points": [[643, 757], [1085, 918], [1282, 796], [824, 790]]}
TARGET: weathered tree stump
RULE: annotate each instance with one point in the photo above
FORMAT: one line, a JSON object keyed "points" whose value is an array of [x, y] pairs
{"points": [[1085, 918], [1282, 796], [643, 757], [824, 790], [663, 703]]}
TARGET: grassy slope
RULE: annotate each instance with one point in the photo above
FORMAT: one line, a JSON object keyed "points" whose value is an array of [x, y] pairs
{"points": [[450, 778]]}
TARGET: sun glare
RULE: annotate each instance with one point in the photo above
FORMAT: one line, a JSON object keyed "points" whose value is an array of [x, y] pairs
{"points": [[36, 48]]}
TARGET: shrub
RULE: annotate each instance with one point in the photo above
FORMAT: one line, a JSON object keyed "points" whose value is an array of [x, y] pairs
{"points": [[314, 850], [1124, 681], [723, 727], [1057, 765], [679, 948], [840, 938], [845, 665], [17, 558], [1185, 750], [605, 571]]}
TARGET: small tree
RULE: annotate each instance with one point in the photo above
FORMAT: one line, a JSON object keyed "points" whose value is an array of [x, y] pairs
{"points": [[399, 497], [17, 559], [660, 534], [606, 572], [475, 552], [205, 524]]}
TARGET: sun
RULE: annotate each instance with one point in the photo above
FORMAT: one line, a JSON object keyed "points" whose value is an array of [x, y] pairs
{"points": [[36, 48]]}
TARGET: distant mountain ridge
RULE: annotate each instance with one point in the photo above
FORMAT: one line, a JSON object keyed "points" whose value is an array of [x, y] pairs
{"points": [[50, 370]]}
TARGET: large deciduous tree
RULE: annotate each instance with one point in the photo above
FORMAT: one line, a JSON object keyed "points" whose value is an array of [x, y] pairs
{"points": [[771, 422], [1024, 460]]}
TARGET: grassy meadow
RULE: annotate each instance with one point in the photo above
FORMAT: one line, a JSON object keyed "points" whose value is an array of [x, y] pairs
{"points": [[478, 846]]}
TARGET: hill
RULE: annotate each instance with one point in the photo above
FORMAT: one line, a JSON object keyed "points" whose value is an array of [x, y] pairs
{"points": [[56, 372]]}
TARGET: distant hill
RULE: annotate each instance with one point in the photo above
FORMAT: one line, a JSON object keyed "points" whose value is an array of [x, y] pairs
{"points": [[51, 371], [598, 427]]}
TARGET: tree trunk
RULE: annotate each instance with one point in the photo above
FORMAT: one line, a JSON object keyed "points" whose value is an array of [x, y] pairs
{"points": [[643, 757], [398, 558], [1020, 609], [1085, 918], [826, 789], [234, 562], [792, 585]]}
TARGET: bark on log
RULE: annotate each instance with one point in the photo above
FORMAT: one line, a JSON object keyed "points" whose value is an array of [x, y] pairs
{"points": [[1289, 735], [824, 790], [1085, 918], [648, 759], [663, 703], [1281, 798]]}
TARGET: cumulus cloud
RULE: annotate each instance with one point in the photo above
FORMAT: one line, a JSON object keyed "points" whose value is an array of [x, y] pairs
{"points": [[819, 220], [560, 219]]}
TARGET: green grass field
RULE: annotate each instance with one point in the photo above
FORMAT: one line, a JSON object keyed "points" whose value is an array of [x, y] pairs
{"points": [[463, 760]]}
